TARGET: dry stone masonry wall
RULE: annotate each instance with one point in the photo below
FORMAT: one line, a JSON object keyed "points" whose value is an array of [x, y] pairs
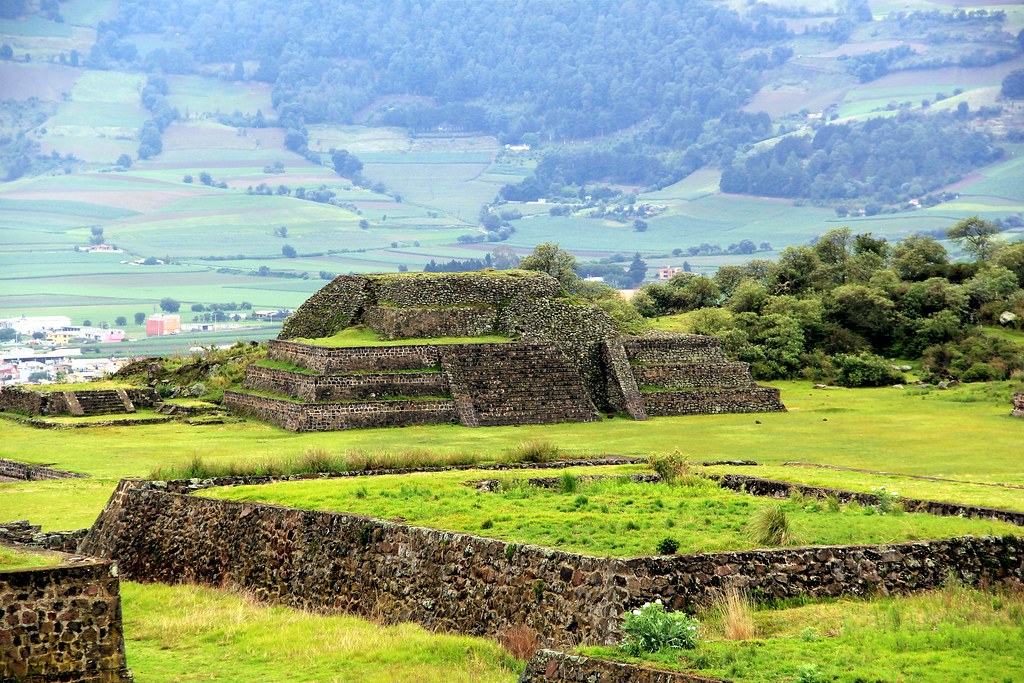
{"points": [[483, 586], [62, 624], [1018, 405], [547, 666]]}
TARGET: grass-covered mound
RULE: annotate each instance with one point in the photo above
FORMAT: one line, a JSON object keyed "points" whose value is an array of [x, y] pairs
{"points": [[613, 516], [953, 634]]}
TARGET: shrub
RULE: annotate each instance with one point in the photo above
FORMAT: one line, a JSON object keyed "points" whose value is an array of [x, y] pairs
{"points": [[568, 483], [737, 614], [674, 467], [668, 546], [809, 673], [770, 527], [534, 450], [651, 628], [521, 641], [865, 370], [888, 501]]}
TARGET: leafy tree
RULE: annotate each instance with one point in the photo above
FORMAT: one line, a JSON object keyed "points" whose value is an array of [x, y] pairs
{"points": [[140, 318], [7, 334], [975, 236], [6, 52], [169, 305], [120, 321], [288, 251], [346, 165], [637, 269], [551, 259], [1012, 258], [919, 257], [124, 161], [1013, 85]]}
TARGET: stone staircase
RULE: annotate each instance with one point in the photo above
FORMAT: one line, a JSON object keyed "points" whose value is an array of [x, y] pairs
{"points": [[688, 375], [99, 402]]}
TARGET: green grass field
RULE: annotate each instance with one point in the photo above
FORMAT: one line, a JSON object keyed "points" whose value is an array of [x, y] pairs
{"points": [[604, 518], [953, 634]]}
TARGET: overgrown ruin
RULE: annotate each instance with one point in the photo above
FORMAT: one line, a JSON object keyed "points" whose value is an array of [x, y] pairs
{"points": [[565, 361]]}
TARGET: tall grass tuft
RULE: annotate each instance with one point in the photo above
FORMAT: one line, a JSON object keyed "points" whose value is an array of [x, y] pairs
{"points": [[521, 641], [534, 450], [737, 614], [770, 527], [674, 468]]}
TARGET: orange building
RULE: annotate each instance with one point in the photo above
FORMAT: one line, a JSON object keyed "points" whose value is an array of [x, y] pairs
{"points": [[162, 324]]}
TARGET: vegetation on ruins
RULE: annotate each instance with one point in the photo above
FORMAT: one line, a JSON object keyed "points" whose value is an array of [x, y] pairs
{"points": [[612, 516], [652, 628], [918, 637]]}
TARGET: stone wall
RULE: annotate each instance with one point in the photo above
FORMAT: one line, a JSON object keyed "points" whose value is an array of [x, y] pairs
{"points": [[454, 581], [62, 624], [506, 384], [492, 289], [13, 469], [550, 666], [674, 348], [326, 360], [758, 486], [689, 375], [711, 401], [1018, 405], [333, 308], [21, 532], [18, 400], [323, 417], [453, 321]]}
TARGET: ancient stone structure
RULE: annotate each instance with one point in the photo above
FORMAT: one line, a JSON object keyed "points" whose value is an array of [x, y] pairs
{"points": [[1018, 405], [21, 532], [12, 469], [79, 402], [569, 364], [62, 624], [455, 581], [547, 666]]}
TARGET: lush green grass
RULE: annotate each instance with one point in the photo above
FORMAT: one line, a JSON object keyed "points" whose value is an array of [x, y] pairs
{"points": [[956, 491], [175, 633], [613, 517], [362, 336], [879, 429], [11, 558], [953, 634]]}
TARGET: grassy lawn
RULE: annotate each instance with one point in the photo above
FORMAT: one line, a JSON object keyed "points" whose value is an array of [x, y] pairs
{"points": [[612, 517], [176, 633], [889, 430], [362, 336], [953, 634], [17, 559]]}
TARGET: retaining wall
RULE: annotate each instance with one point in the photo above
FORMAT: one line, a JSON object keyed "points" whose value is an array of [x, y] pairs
{"points": [[313, 388], [1018, 405], [754, 399], [354, 359], [62, 624], [25, 472], [689, 375], [456, 321], [322, 417], [454, 581], [674, 348], [550, 666], [78, 402]]}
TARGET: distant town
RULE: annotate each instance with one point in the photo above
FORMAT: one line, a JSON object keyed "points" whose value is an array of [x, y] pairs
{"points": [[49, 349]]}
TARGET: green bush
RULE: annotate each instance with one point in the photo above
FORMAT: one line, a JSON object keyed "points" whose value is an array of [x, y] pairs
{"points": [[865, 370], [668, 546], [652, 628]]}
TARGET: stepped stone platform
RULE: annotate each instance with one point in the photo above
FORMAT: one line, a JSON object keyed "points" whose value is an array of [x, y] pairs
{"points": [[569, 365], [78, 403]]}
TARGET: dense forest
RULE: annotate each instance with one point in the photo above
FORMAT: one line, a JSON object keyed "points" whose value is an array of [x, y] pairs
{"points": [[891, 160], [836, 310]]}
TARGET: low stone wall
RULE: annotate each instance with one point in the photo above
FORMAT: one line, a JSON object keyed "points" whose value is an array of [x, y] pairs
{"points": [[549, 666], [772, 488], [454, 581], [1018, 405], [18, 400], [26, 472], [404, 323], [673, 348], [62, 624], [321, 417], [694, 375], [21, 532], [711, 401], [314, 388], [354, 359]]}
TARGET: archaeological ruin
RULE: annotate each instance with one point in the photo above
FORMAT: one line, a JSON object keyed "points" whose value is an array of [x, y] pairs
{"points": [[564, 360]]}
